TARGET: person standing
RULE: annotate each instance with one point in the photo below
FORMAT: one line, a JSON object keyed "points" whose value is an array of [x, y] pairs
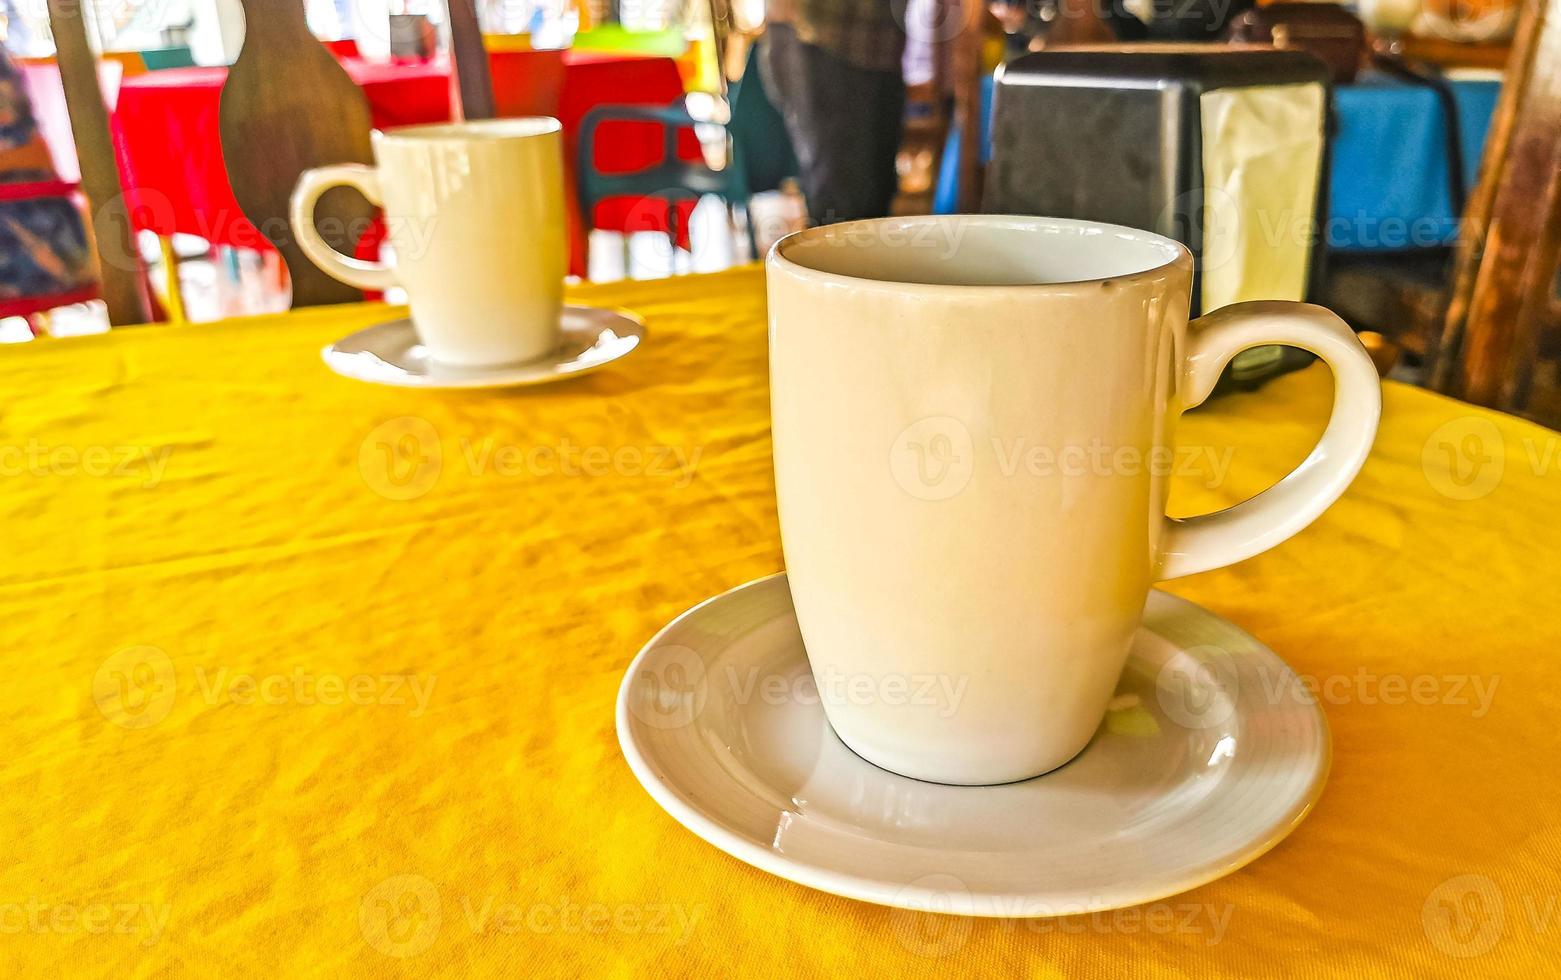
{"points": [[833, 69]]}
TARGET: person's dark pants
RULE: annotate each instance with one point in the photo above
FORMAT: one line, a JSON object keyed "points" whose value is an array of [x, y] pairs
{"points": [[844, 121]]}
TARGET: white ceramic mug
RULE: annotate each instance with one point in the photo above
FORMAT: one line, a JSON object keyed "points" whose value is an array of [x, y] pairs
{"points": [[475, 212], [974, 421]]}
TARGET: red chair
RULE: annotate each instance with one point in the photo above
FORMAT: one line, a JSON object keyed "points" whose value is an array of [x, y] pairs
{"points": [[527, 83], [344, 48]]}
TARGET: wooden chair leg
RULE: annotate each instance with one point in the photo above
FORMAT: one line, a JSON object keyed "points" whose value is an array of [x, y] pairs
{"points": [[175, 299], [673, 237]]}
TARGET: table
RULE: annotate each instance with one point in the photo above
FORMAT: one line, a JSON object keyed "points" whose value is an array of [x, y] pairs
{"points": [[171, 155], [1388, 184], [315, 677]]}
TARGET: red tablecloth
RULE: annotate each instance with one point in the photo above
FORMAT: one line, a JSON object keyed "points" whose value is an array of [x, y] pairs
{"points": [[166, 127]]}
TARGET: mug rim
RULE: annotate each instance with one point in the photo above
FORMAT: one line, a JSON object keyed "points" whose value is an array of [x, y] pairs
{"points": [[777, 258], [487, 130]]}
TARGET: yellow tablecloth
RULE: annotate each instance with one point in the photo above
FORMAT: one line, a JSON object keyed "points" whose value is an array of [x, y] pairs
{"points": [[307, 676]]}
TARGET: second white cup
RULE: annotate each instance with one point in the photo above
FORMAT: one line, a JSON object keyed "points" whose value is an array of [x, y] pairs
{"points": [[475, 213]]}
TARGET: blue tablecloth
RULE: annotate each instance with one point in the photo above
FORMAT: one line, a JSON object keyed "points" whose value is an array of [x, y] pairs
{"points": [[1388, 182]]}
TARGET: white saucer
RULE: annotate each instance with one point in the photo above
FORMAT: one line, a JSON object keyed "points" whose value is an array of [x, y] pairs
{"points": [[1211, 754], [390, 354]]}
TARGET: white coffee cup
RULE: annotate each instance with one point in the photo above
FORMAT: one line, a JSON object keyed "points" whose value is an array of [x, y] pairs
{"points": [[475, 212], [944, 392]]}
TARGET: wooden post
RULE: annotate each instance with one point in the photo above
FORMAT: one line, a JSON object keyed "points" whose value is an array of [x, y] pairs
{"points": [[471, 84], [114, 240], [1511, 236]]}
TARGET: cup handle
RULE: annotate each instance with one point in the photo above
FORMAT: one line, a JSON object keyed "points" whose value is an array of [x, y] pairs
{"points": [[311, 187], [1197, 544]]}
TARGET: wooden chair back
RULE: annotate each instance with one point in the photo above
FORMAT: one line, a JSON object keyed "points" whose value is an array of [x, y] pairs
{"points": [[287, 107], [1502, 309]]}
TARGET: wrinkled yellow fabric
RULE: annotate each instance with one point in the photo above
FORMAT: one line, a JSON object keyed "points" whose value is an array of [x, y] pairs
{"points": [[212, 769]]}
